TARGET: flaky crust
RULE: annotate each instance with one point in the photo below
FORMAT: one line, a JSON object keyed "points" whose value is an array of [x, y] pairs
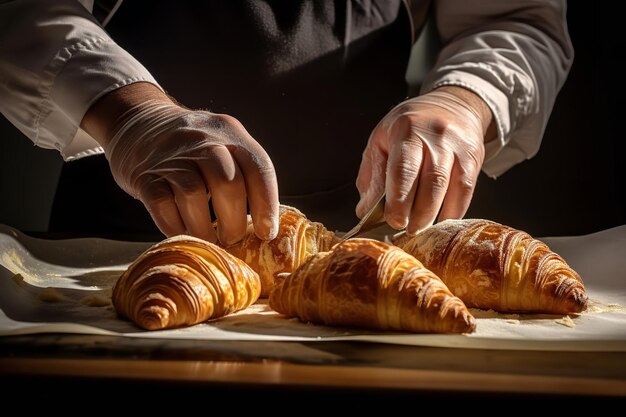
{"points": [[297, 239], [370, 284], [183, 281], [492, 266]]}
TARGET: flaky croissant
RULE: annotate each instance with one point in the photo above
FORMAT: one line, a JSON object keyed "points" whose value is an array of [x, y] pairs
{"points": [[182, 281], [492, 266], [370, 284], [297, 239]]}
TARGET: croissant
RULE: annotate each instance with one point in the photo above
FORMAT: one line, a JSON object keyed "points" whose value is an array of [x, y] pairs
{"points": [[371, 284], [297, 239], [492, 266], [182, 281]]}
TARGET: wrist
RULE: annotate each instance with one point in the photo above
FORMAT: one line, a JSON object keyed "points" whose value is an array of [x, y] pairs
{"points": [[102, 117], [475, 102]]}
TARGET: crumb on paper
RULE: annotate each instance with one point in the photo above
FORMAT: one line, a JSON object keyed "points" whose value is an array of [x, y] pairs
{"points": [[594, 309], [595, 306], [566, 321], [18, 279], [12, 260], [50, 295], [95, 300], [513, 321]]}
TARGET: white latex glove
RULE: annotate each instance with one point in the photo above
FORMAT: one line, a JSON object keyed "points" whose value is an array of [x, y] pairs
{"points": [[426, 155], [174, 160]]}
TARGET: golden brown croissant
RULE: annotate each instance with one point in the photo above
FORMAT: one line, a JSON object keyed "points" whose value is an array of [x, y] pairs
{"points": [[298, 238], [372, 284], [492, 266], [182, 281]]}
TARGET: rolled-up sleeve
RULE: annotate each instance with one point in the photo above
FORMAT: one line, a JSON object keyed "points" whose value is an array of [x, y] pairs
{"points": [[516, 55], [55, 61]]}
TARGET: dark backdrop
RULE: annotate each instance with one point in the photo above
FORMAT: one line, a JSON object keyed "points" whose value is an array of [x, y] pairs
{"points": [[575, 185]]}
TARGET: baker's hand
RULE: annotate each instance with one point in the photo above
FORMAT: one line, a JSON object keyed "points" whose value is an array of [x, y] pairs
{"points": [[174, 160], [426, 155]]}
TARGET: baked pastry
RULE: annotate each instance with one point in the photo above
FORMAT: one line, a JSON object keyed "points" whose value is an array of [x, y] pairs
{"points": [[297, 239], [182, 281], [370, 284], [492, 266]]}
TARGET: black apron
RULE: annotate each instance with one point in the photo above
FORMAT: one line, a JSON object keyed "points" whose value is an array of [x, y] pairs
{"points": [[308, 79]]}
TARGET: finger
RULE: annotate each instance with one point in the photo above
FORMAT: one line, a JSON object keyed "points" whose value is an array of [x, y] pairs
{"points": [[403, 168], [192, 201], [261, 187], [460, 192], [228, 194], [158, 198], [431, 188], [371, 177], [364, 176]]}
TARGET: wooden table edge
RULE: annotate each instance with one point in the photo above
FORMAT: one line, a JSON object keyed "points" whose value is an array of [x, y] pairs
{"points": [[277, 373]]}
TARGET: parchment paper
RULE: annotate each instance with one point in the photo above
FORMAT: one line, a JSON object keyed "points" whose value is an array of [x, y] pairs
{"points": [[64, 286]]}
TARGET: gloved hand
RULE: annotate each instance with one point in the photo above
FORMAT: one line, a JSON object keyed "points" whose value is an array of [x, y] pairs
{"points": [[174, 160], [426, 155]]}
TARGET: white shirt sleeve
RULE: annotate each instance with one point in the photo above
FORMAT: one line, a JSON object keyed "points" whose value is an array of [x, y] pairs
{"points": [[516, 55], [55, 61]]}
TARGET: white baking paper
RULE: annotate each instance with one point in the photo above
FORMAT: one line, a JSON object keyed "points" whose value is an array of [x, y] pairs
{"points": [[64, 286]]}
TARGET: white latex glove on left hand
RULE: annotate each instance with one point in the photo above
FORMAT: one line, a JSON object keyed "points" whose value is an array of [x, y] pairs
{"points": [[426, 155], [174, 159]]}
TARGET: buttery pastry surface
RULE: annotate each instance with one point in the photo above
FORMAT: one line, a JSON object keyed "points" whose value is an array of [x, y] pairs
{"points": [[297, 239], [492, 266], [370, 284], [183, 281]]}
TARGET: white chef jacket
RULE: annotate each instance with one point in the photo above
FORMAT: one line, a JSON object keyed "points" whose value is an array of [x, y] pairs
{"points": [[56, 60]]}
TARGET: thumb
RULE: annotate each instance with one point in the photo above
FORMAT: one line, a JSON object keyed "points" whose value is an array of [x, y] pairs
{"points": [[372, 173], [369, 198]]}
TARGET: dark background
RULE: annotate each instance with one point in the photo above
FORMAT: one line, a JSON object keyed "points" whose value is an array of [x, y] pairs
{"points": [[575, 185]]}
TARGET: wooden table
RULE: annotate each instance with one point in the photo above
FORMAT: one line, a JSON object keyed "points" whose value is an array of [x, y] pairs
{"points": [[56, 364]]}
